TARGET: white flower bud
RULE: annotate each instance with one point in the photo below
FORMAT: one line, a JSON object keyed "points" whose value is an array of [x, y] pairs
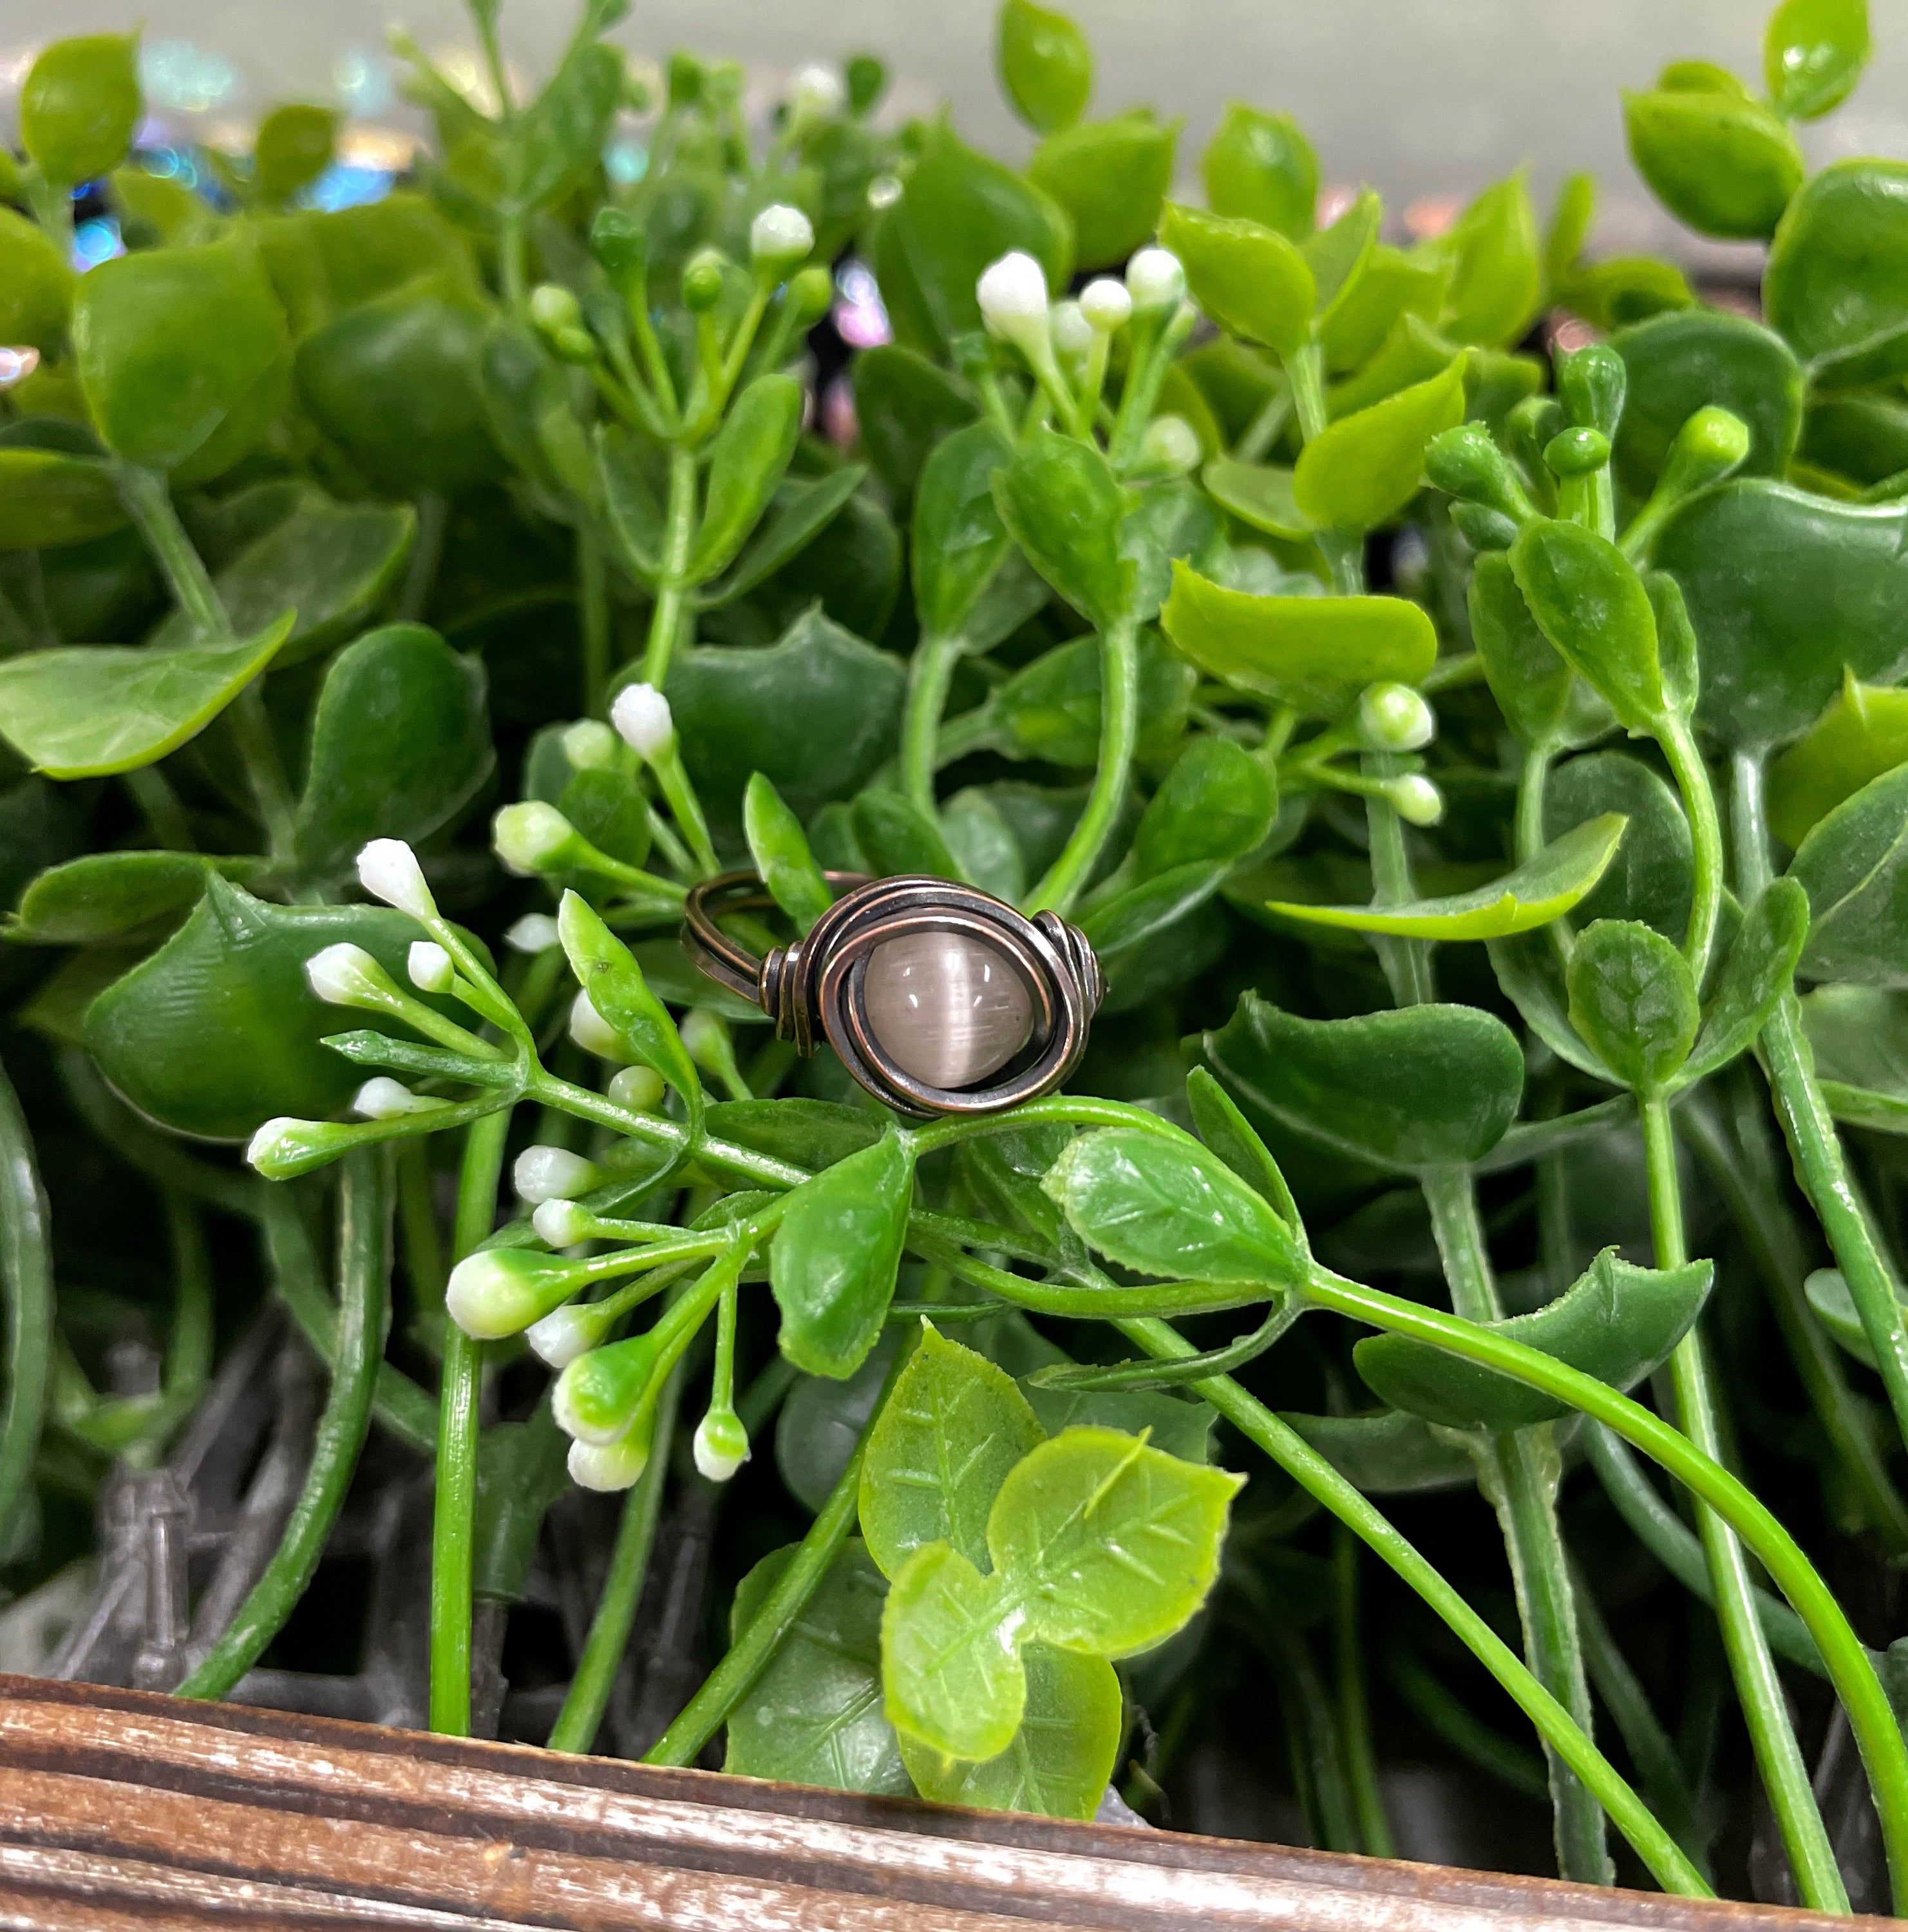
{"points": [[345, 975], [534, 932], [388, 870], [706, 1038], [816, 94], [608, 1466], [641, 714], [1395, 717], [638, 1088], [589, 745], [553, 308], [499, 1291], [277, 1140], [1170, 443], [883, 191], [1415, 799], [779, 237], [552, 1174], [721, 1444], [593, 1032], [1072, 333], [565, 1333], [1156, 279], [1106, 304], [559, 1221], [1012, 293], [383, 1099], [530, 837], [429, 967]]}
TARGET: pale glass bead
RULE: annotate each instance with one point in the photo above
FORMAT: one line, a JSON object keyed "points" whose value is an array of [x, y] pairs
{"points": [[946, 1009]]}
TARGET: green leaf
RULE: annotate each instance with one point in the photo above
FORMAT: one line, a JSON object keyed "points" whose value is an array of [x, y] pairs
{"points": [[80, 107], [1172, 520], [1652, 877], [1315, 653], [799, 512], [1111, 178], [1528, 973], [814, 1716], [1589, 601], [1787, 591], [1044, 64], [1252, 281], [1760, 970], [905, 404], [1863, 734], [1166, 1206], [1726, 167], [1215, 803], [1052, 708], [1060, 501], [822, 1420], [183, 356], [92, 709], [293, 147], [1338, 255], [1231, 1135], [1108, 1546], [1633, 1000], [1542, 889], [832, 1261], [1260, 167], [1392, 1453], [751, 451], [606, 971], [1066, 1748], [950, 1659], [36, 285], [1833, 1306], [1495, 274], [951, 1430], [1624, 289], [558, 141], [1837, 283], [1542, 699], [218, 1030], [48, 497], [1813, 52], [1854, 867], [958, 540], [780, 849], [401, 742], [1618, 1323], [1426, 1086], [898, 837], [1260, 494], [1361, 470], [1391, 286], [107, 896]]}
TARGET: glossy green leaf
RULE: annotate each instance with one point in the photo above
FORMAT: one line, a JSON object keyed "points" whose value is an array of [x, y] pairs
{"points": [[1726, 166], [1837, 283], [1864, 733], [558, 140], [401, 742], [1215, 803], [1108, 1545], [1531, 977], [780, 849], [1172, 521], [1044, 64], [1854, 866], [1338, 256], [1168, 1207], [1420, 1086], [106, 896], [1589, 601], [323, 262], [1542, 699], [898, 837], [1051, 709], [1542, 889], [1261, 166], [950, 1661], [952, 1429], [814, 1716], [856, 576], [822, 1420], [1618, 1323], [1063, 505], [832, 1260], [1252, 280], [183, 356], [1625, 289], [1361, 470], [1760, 969], [80, 107], [293, 147], [48, 497], [1391, 286], [983, 844], [750, 453], [1495, 272], [1391, 1453], [1111, 178], [1857, 436], [957, 539], [903, 405], [1859, 1037], [92, 709], [219, 1030], [1834, 1307], [36, 285], [1315, 653], [1632, 1000], [608, 973], [1652, 876], [1062, 1756], [800, 511], [335, 564], [1228, 1133], [1813, 52], [1786, 592], [1260, 494]]}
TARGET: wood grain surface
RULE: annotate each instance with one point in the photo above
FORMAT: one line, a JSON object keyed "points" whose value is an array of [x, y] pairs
{"points": [[121, 1808]]}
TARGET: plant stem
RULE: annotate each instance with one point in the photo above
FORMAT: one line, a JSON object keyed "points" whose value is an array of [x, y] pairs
{"points": [[1778, 1756], [1665, 1859], [1354, 1707], [26, 1272], [433, 514], [165, 817], [1699, 798], [453, 1532], [589, 1694], [1813, 1144], [364, 1270], [930, 672], [678, 539], [149, 504], [278, 810], [1119, 729]]}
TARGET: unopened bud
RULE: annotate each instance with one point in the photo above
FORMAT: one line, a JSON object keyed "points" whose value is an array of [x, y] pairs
{"points": [[1394, 718], [593, 1032], [382, 1098], [590, 745], [388, 870], [596, 1397], [345, 975], [1107, 304], [1012, 294], [559, 1221], [702, 282], [1171, 445], [778, 238], [1465, 462], [1156, 279], [534, 932], [611, 1466], [706, 1036], [429, 967], [554, 307], [565, 1333], [721, 1444], [640, 1089], [807, 296], [532, 837], [1711, 445], [641, 714], [816, 94], [285, 1147], [1415, 799], [1576, 452], [1072, 333], [499, 1291], [553, 1173]]}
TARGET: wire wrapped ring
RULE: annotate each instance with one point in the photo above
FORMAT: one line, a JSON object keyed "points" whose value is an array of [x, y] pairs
{"points": [[817, 987]]}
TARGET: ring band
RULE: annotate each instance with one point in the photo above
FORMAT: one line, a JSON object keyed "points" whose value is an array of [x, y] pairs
{"points": [[937, 997]]}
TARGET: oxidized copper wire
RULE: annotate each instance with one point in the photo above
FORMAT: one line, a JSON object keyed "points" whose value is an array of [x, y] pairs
{"points": [[814, 987]]}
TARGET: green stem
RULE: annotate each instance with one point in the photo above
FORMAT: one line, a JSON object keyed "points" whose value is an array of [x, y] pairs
{"points": [[1353, 1706], [1814, 1143], [453, 1532], [433, 516], [1665, 1859], [1407, 962], [929, 674], [513, 263], [1119, 730], [26, 1271], [271, 793], [593, 614], [1265, 428], [1699, 798], [417, 1222], [679, 540], [165, 817], [363, 1267], [1758, 1689], [685, 808], [149, 504], [1146, 370]]}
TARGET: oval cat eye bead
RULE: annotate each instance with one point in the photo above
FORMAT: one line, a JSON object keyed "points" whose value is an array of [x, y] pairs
{"points": [[948, 1009]]}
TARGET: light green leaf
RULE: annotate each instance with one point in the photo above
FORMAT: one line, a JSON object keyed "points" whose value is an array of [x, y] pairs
{"points": [[950, 1662], [607, 972], [1760, 969], [1361, 470], [1633, 999], [1258, 493]]}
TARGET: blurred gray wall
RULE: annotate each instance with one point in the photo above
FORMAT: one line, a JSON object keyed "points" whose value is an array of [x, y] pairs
{"points": [[1420, 97]]}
